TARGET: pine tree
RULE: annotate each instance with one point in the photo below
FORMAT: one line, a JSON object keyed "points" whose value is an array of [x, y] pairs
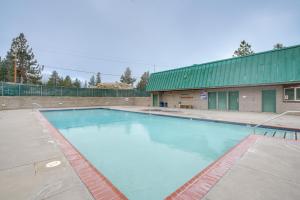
{"points": [[278, 46], [98, 78], [6, 70], [67, 81], [53, 80], [243, 50], [77, 83], [61, 81], [2, 70], [85, 84], [143, 82], [92, 81], [126, 77], [28, 70]]}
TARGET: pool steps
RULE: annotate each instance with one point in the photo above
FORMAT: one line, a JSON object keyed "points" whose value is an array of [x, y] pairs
{"points": [[281, 134]]}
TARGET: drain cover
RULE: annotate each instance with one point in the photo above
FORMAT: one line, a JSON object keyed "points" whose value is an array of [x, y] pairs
{"points": [[53, 163]]}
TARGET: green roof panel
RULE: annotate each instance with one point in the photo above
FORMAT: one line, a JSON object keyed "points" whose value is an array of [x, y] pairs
{"points": [[270, 67]]}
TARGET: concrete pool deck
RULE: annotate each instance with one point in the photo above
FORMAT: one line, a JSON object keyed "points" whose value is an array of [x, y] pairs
{"points": [[25, 148], [289, 121], [268, 170]]}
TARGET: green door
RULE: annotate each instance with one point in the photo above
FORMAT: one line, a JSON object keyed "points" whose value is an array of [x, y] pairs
{"points": [[212, 100], [233, 98], [155, 100], [269, 100], [222, 100]]}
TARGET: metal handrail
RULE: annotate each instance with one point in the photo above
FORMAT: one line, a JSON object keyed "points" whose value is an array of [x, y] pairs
{"points": [[33, 104], [3, 106], [275, 117]]}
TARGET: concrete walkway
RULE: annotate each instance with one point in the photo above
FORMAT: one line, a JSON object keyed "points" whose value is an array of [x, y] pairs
{"points": [[268, 171], [25, 149], [291, 121]]}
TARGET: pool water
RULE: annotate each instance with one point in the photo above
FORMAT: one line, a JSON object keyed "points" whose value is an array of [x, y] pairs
{"points": [[146, 156]]}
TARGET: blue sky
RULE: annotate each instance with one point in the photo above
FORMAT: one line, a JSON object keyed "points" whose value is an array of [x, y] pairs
{"points": [[110, 35]]}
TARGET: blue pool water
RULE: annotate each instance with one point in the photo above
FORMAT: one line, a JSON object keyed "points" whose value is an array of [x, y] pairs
{"points": [[146, 157]]}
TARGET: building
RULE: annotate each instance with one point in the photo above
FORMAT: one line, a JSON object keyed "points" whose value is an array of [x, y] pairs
{"points": [[115, 85], [262, 82]]}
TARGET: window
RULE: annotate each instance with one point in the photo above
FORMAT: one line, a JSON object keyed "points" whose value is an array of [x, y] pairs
{"points": [[292, 94], [298, 94], [289, 94]]}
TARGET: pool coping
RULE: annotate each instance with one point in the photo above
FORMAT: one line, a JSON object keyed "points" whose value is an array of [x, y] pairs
{"points": [[199, 185], [176, 116], [98, 185], [196, 188]]}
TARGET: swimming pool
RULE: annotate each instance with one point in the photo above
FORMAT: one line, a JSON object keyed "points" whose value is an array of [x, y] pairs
{"points": [[146, 156]]}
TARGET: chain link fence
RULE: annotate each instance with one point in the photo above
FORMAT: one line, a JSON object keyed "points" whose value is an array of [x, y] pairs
{"points": [[16, 89]]}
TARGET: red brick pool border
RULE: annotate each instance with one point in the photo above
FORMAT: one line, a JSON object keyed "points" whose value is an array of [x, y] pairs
{"points": [[98, 185], [199, 185]]}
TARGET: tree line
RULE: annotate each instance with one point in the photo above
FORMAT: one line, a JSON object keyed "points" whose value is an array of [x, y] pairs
{"points": [[58, 81], [245, 49]]}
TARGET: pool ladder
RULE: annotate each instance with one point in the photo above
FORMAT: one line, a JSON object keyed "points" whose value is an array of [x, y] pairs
{"points": [[34, 105]]}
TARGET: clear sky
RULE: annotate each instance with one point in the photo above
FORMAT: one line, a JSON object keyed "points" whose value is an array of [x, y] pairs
{"points": [[110, 35]]}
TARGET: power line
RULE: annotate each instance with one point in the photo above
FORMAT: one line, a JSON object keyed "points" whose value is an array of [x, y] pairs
{"points": [[69, 69], [97, 58], [82, 71], [151, 66]]}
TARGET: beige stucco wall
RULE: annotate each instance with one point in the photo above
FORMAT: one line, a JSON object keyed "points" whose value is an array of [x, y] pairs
{"points": [[188, 97], [250, 98], [54, 102], [141, 101]]}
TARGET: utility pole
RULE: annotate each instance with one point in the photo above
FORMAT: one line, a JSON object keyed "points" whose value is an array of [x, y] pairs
{"points": [[15, 68]]}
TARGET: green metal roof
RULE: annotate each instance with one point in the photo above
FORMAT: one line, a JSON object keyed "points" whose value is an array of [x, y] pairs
{"points": [[270, 67]]}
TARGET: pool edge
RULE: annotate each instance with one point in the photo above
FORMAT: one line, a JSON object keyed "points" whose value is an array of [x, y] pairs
{"points": [[175, 116], [199, 185], [97, 184]]}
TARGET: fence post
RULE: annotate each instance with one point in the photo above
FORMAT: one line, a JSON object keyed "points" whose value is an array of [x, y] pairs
{"points": [[19, 90], [61, 91], [2, 88], [41, 90], [77, 92]]}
